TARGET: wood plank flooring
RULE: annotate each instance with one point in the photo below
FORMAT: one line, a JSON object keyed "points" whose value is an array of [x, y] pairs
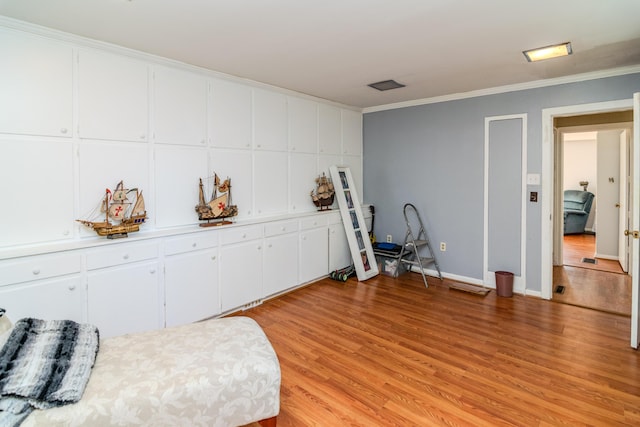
{"points": [[389, 352], [602, 286]]}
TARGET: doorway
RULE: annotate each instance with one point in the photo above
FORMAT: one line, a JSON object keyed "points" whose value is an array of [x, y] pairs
{"points": [[590, 257]]}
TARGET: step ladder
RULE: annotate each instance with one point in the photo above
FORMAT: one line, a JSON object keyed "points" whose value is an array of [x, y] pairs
{"points": [[413, 250]]}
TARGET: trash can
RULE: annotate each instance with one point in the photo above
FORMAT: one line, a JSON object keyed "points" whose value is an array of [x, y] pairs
{"points": [[504, 284]]}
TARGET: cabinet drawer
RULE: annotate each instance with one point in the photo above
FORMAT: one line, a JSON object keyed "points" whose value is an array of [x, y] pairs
{"points": [[334, 218], [241, 234], [121, 254], [38, 267], [191, 242], [282, 227], [313, 222]]}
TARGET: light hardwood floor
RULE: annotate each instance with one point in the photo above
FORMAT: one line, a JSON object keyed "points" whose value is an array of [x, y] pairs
{"points": [[389, 352], [601, 286]]}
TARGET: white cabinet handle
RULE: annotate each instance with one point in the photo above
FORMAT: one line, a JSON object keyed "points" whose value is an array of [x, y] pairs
{"points": [[270, 245], [143, 136], [72, 287], [63, 130], [259, 247], [153, 271], [125, 256], [283, 229], [194, 244], [213, 258], [36, 271], [244, 235]]}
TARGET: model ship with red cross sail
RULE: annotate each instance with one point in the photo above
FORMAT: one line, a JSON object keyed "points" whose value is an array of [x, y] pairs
{"points": [[119, 212], [219, 205]]}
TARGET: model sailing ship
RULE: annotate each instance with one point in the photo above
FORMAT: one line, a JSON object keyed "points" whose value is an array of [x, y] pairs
{"points": [[123, 211], [219, 206], [323, 195]]}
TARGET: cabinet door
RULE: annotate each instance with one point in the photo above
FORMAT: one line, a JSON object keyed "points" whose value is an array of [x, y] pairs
{"points": [[179, 107], [269, 120], [55, 299], [237, 165], [178, 171], [240, 274], [303, 125], [351, 133], [270, 182], [191, 287], [314, 254], [37, 191], [113, 97], [280, 263], [339, 253], [230, 117], [124, 299], [329, 130], [36, 85], [302, 176]]}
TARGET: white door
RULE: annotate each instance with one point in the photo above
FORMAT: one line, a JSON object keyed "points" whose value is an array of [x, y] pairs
{"points": [[635, 221], [623, 203]]}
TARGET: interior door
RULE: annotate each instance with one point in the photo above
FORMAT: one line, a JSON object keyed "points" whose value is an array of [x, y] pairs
{"points": [[635, 221], [623, 204]]}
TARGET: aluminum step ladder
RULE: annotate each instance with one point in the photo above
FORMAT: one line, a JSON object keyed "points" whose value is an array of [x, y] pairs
{"points": [[413, 250]]}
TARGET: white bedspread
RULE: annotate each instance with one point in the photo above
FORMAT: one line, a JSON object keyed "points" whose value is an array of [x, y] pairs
{"points": [[220, 372]]}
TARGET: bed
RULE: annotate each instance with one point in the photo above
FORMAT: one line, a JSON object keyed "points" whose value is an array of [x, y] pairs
{"points": [[220, 372]]}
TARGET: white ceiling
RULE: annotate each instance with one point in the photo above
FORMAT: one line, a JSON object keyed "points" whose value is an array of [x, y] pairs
{"points": [[333, 48]]}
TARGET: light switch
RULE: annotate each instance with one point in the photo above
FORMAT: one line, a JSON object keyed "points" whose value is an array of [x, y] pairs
{"points": [[533, 179]]}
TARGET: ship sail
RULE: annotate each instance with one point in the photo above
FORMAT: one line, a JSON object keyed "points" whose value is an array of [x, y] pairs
{"points": [[139, 207], [218, 204]]}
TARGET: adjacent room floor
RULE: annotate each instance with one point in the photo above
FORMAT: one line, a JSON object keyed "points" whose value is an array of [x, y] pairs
{"points": [[601, 285]]}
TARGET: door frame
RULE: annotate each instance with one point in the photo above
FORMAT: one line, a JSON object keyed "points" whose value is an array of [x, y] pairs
{"points": [[548, 179]]}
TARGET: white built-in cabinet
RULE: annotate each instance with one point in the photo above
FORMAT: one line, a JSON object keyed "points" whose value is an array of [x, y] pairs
{"points": [[230, 116], [280, 261], [36, 85], [339, 253], [179, 107], [329, 131], [241, 266], [303, 125], [45, 286], [270, 182], [191, 278], [314, 238], [351, 133], [123, 289], [113, 97], [269, 120], [76, 118], [37, 191]]}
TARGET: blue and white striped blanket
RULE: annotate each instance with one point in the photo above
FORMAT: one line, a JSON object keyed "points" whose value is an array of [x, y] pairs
{"points": [[44, 364]]}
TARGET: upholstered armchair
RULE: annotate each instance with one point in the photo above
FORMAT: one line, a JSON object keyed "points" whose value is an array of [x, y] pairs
{"points": [[577, 205]]}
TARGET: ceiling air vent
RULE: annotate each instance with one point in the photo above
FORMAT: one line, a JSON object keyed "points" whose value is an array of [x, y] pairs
{"points": [[386, 85]]}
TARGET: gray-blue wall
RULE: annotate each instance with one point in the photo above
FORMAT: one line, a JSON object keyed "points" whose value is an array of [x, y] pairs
{"points": [[433, 156]]}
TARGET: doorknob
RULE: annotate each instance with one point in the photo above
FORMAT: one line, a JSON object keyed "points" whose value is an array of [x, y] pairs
{"points": [[626, 232], [636, 234], [617, 205]]}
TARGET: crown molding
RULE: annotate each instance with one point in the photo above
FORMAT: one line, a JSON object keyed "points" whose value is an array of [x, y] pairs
{"points": [[613, 72]]}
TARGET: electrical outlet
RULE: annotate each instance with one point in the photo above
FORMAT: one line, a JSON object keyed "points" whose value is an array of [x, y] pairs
{"points": [[443, 246], [389, 238]]}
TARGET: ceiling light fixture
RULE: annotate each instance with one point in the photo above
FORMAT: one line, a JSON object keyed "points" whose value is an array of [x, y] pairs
{"points": [[386, 85], [548, 52]]}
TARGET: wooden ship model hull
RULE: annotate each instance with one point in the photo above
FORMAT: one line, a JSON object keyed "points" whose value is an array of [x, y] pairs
{"points": [[120, 218], [219, 208], [323, 204], [324, 193]]}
